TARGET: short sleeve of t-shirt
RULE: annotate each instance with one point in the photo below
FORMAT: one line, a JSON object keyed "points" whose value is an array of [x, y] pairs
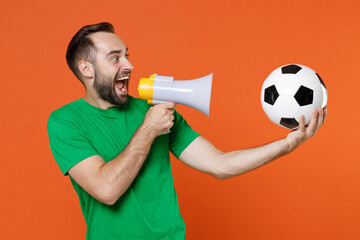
{"points": [[67, 142], [181, 135]]}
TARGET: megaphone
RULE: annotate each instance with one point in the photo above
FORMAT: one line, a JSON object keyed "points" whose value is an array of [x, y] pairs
{"points": [[194, 93]]}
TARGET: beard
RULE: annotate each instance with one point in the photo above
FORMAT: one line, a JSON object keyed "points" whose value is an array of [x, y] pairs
{"points": [[105, 88]]}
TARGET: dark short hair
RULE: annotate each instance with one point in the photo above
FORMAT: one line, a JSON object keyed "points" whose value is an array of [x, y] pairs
{"points": [[82, 48]]}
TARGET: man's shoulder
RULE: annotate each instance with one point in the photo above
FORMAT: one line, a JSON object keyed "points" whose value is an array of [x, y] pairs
{"points": [[138, 101], [73, 109], [66, 111]]}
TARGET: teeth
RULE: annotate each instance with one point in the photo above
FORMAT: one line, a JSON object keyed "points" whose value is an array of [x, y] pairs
{"points": [[122, 79]]}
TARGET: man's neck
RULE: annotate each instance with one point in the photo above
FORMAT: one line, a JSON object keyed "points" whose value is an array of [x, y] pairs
{"points": [[97, 102]]}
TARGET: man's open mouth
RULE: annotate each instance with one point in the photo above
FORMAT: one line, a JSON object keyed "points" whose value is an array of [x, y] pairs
{"points": [[120, 83]]}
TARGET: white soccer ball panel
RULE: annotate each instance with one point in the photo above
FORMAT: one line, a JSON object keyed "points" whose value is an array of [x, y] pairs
{"points": [[286, 106], [307, 112], [318, 98], [308, 78], [325, 96], [287, 85], [271, 112]]}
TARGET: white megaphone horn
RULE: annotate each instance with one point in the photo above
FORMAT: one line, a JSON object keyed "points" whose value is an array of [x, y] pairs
{"points": [[194, 93]]}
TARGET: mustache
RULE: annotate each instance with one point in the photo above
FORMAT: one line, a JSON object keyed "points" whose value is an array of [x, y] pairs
{"points": [[120, 74]]}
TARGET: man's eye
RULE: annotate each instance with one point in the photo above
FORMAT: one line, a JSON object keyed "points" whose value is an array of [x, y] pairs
{"points": [[127, 55], [116, 59]]}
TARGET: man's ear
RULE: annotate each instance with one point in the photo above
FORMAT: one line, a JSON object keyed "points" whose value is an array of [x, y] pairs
{"points": [[86, 69]]}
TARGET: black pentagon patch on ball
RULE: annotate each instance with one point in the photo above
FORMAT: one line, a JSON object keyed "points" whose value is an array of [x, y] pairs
{"points": [[321, 81], [271, 94], [292, 69], [289, 122], [304, 96]]}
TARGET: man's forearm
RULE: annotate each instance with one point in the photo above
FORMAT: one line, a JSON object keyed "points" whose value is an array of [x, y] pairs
{"points": [[117, 174], [205, 157], [241, 161]]}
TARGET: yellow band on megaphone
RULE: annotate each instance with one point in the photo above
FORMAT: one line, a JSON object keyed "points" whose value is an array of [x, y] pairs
{"points": [[146, 87]]}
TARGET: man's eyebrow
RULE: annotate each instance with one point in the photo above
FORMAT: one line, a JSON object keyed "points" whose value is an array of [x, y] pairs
{"points": [[112, 52], [115, 51]]}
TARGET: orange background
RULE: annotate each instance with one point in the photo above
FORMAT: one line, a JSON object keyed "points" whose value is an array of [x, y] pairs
{"points": [[313, 193]]}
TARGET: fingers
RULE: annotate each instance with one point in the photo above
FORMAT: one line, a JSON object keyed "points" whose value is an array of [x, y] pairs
{"points": [[325, 115], [311, 129], [320, 119], [168, 105], [168, 119], [302, 124], [160, 117], [295, 138]]}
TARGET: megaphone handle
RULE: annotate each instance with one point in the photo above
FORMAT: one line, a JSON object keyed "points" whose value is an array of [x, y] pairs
{"points": [[159, 102]]}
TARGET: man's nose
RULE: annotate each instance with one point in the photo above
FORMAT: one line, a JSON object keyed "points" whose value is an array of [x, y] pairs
{"points": [[126, 65]]}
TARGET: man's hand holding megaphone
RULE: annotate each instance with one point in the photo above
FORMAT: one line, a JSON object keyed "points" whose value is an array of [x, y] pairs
{"points": [[159, 119]]}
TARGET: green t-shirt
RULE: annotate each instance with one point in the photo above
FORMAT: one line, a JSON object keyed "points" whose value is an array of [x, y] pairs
{"points": [[149, 208]]}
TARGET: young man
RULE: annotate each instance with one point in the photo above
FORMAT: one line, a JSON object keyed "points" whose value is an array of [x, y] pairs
{"points": [[113, 147]]}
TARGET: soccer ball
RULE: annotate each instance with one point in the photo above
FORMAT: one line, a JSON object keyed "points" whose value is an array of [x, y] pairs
{"points": [[291, 91]]}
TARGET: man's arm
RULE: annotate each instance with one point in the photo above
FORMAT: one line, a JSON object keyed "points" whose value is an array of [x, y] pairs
{"points": [[203, 156], [108, 181]]}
